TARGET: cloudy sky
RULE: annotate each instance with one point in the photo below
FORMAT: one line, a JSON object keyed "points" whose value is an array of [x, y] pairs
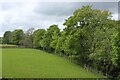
{"points": [[24, 15]]}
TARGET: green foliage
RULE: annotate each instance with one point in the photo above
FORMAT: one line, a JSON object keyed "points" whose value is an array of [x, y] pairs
{"points": [[116, 49], [94, 37], [55, 36], [48, 38], [60, 43], [37, 37], [17, 36], [7, 37]]}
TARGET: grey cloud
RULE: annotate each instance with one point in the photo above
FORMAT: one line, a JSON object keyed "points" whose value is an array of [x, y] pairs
{"points": [[111, 6], [67, 8], [56, 9]]}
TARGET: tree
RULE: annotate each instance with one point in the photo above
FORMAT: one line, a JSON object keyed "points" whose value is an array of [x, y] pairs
{"points": [[116, 46], [1, 39], [29, 33], [27, 39], [60, 44], [47, 38], [37, 37], [96, 30], [17, 36], [115, 54], [55, 37], [7, 37]]}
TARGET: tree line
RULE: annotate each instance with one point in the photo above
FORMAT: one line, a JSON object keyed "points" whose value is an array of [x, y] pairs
{"points": [[90, 38]]}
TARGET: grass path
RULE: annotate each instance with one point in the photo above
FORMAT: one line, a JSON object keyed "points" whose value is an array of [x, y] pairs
{"points": [[31, 63]]}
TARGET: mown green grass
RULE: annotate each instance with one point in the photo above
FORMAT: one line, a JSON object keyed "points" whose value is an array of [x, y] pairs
{"points": [[31, 63]]}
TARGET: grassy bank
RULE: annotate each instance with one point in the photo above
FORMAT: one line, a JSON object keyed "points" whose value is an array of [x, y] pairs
{"points": [[31, 63]]}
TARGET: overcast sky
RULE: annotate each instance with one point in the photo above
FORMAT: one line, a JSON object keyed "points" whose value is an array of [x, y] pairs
{"points": [[24, 15]]}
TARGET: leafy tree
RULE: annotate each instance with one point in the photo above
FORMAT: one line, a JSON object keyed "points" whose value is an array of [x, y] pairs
{"points": [[115, 54], [1, 40], [37, 37], [55, 37], [47, 38], [7, 37], [17, 36], [60, 44], [96, 29]]}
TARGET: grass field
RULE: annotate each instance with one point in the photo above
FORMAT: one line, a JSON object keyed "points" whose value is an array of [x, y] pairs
{"points": [[31, 63]]}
